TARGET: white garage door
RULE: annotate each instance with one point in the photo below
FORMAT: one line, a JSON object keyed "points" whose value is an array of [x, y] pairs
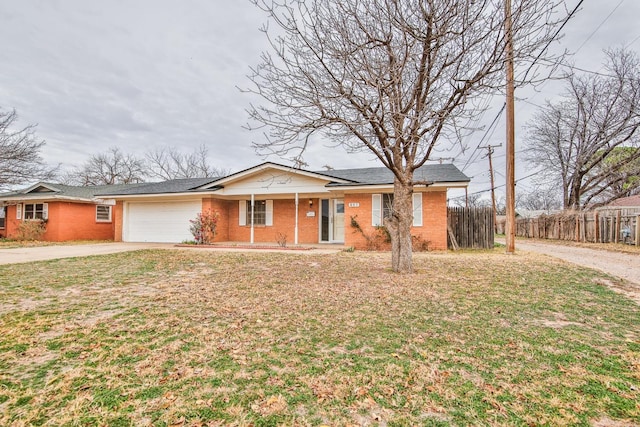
{"points": [[160, 221]]}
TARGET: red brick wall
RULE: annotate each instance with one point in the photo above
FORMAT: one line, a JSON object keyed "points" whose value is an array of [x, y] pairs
{"points": [[434, 220], [68, 221], [222, 207], [11, 223], [283, 222], [116, 213]]}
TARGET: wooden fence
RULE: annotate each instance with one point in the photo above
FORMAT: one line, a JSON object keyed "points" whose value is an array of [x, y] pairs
{"points": [[600, 226], [470, 228]]}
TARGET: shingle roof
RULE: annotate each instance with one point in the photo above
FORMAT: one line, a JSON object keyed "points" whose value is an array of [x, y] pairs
{"points": [[382, 175], [88, 192], [172, 186], [439, 173]]}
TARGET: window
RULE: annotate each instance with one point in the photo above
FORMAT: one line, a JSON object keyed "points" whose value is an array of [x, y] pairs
{"points": [[3, 215], [103, 213], [387, 205], [35, 211], [262, 212], [381, 207], [259, 212]]}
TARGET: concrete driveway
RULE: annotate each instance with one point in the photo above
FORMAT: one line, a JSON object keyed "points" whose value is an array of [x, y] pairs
{"points": [[42, 253]]}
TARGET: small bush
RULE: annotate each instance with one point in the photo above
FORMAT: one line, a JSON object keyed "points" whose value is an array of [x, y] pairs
{"points": [[419, 244], [376, 239], [30, 230], [281, 238], [203, 228]]}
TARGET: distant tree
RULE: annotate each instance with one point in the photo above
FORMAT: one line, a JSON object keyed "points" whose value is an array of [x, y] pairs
{"points": [[111, 167], [20, 159], [169, 163], [394, 78], [577, 140], [542, 198], [623, 175], [474, 200]]}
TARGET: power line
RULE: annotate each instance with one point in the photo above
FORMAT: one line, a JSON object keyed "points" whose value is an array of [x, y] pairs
{"points": [[599, 26], [573, 12], [493, 123], [497, 186]]}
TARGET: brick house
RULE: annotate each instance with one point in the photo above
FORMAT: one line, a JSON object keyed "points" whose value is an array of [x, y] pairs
{"points": [[70, 212], [269, 202]]}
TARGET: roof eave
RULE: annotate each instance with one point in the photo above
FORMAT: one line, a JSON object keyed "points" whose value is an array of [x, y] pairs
{"points": [[267, 165], [452, 184]]}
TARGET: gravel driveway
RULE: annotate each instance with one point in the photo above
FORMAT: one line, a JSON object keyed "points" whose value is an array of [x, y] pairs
{"points": [[625, 266]]}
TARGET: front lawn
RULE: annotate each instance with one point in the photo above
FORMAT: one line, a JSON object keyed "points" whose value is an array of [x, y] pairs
{"points": [[187, 337]]}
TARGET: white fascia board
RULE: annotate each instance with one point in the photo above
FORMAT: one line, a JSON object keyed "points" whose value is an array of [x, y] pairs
{"points": [[163, 196], [389, 187], [44, 197], [265, 166]]}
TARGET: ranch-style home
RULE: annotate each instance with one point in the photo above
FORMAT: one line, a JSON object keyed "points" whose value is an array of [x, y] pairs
{"points": [[70, 212], [269, 203]]}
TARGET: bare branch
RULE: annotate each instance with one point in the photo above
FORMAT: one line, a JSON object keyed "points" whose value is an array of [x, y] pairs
{"points": [[589, 140], [20, 160]]}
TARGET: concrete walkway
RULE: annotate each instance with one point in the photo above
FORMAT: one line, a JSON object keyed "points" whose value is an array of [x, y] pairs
{"points": [[43, 253]]}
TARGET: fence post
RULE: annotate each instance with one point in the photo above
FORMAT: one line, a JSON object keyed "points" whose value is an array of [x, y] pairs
{"points": [[617, 228], [596, 226], [637, 230]]}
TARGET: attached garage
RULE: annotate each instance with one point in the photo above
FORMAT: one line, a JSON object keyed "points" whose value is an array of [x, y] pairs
{"points": [[163, 222]]}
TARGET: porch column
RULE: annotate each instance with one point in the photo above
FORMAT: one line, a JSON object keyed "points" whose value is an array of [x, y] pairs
{"points": [[295, 232], [253, 203]]}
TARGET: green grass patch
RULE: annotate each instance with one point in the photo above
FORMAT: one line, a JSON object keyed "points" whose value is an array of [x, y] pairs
{"points": [[181, 337]]}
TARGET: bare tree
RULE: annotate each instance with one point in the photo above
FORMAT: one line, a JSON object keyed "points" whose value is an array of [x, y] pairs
{"points": [[542, 198], [20, 159], [576, 140], [111, 167], [169, 163], [396, 78]]}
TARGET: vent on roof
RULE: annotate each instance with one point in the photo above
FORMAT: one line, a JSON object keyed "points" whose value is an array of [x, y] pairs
{"points": [[42, 189]]}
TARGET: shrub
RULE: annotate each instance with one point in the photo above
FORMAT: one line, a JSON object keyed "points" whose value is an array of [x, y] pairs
{"points": [[29, 230], [375, 240], [281, 238], [203, 228]]}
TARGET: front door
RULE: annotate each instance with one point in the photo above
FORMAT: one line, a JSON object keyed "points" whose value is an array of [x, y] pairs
{"points": [[332, 220]]}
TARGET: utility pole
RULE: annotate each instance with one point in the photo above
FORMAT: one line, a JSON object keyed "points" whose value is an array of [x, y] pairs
{"points": [[510, 226], [493, 185]]}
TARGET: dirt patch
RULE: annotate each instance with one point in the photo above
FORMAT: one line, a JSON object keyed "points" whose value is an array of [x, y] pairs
{"points": [[608, 422]]}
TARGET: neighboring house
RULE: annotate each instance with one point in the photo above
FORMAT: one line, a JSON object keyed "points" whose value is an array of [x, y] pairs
{"points": [[272, 202], [625, 202], [70, 212]]}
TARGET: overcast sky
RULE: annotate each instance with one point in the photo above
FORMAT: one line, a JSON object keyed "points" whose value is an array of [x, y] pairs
{"points": [[139, 74]]}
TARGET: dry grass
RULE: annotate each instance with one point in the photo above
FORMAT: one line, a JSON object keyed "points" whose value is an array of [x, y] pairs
{"points": [[174, 338]]}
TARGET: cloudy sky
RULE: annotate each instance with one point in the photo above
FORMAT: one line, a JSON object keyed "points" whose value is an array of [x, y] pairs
{"points": [[139, 74]]}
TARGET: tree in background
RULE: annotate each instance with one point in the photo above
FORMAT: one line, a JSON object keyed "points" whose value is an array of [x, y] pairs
{"points": [[394, 78], [20, 159], [111, 167], [577, 140], [169, 163], [541, 198], [116, 167]]}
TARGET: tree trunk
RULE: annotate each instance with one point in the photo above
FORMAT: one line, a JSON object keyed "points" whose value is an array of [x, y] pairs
{"points": [[399, 226]]}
